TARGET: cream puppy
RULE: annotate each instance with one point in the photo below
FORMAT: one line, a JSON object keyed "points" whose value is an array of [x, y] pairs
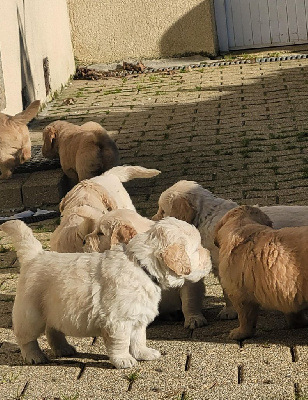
{"points": [[74, 226], [114, 294], [190, 202], [15, 143], [120, 226], [105, 192], [262, 266], [84, 151], [89, 200]]}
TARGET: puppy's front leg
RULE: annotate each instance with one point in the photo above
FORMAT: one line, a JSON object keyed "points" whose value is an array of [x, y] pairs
{"points": [[138, 347], [117, 346], [192, 296], [58, 343]]}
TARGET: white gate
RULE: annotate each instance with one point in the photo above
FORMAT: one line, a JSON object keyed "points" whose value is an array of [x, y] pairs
{"points": [[244, 24]]}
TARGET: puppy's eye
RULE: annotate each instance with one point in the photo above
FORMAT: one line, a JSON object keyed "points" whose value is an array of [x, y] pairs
{"points": [[100, 234], [84, 241]]}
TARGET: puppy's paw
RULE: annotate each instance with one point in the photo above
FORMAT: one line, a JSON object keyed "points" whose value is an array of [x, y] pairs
{"points": [[227, 313], [65, 351], [123, 362], [32, 354], [36, 358], [195, 321], [238, 334], [147, 354]]}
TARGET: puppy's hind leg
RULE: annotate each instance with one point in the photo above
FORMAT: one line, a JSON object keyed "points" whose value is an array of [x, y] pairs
{"points": [[58, 343], [117, 345], [138, 347], [247, 315], [28, 326]]}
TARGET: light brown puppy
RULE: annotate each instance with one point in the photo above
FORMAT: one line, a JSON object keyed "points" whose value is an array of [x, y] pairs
{"points": [[84, 151], [261, 266], [15, 143]]}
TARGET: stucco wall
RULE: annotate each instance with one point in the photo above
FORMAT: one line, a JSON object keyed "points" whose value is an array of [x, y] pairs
{"points": [[30, 31], [109, 30]]}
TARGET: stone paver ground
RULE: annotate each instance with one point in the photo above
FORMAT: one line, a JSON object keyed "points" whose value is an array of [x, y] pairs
{"points": [[242, 132]]}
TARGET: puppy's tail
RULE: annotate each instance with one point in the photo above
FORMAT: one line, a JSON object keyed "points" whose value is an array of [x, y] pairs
{"points": [[127, 172], [26, 245]]}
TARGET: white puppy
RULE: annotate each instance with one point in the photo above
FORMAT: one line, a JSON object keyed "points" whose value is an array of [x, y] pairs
{"points": [[106, 192], [114, 294], [69, 235], [120, 226], [190, 202]]}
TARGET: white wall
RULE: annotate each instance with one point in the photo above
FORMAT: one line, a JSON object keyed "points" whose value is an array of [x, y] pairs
{"points": [[31, 30]]}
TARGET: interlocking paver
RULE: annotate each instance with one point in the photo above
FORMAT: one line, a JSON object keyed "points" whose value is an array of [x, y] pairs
{"points": [[241, 132]]}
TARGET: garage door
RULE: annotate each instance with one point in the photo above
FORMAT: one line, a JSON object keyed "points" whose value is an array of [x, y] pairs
{"points": [[245, 24]]}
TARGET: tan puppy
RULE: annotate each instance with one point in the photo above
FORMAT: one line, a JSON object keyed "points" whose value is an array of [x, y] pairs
{"points": [[190, 202], [261, 266], [15, 143], [120, 226], [74, 226], [84, 151], [114, 294]]}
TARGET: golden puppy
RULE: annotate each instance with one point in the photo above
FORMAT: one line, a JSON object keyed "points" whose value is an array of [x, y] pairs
{"points": [[15, 143], [261, 266], [84, 151]]}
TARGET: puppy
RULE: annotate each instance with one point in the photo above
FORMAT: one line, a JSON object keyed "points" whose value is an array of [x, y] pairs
{"points": [[15, 143], [105, 192], [120, 226], [261, 266], [115, 227], [190, 202], [84, 151], [114, 294], [74, 226]]}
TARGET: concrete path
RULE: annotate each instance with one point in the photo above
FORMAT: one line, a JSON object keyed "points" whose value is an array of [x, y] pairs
{"points": [[242, 132]]}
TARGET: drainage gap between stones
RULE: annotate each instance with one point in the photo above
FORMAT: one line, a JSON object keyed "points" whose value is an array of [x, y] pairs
{"points": [[22, 393], [82, 369], [188, 361], [240, 371], [294, 354], [297, 391]]}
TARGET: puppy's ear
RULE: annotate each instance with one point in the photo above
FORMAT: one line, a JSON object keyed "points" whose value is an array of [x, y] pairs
{"points": [[28, 114], [108, 202], [176, 258], [181, 209], [49, 135], [122, 234], [216, 233], [87, 226]]}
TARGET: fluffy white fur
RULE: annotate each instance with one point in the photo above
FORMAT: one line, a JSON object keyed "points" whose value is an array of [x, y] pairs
{"points": [[106, 192], [106, 294], [120, 226], [15, 143], [75, 225], [190, 202]]}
